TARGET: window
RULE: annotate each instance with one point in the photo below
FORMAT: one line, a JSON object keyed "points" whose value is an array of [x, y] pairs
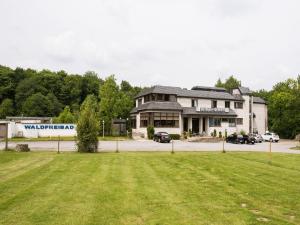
{"points": [[147, 98], [214, 104], [144, 119], [238, 105], [239, 121], [164, 119], [140, 102], [133, 122], [194, 103], [224, 120], [214, 122], [167, 98], [227, 104], [232, 122], [160, 97]]}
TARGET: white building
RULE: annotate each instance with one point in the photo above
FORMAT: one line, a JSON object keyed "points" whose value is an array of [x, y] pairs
{"points": [[200, 110], [34, 127]]}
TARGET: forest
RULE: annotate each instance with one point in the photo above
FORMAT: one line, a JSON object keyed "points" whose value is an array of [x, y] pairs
{"points": [[28, 92]]}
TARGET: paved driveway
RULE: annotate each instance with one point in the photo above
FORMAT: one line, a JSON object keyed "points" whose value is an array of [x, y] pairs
{"points": [[147, 145]]}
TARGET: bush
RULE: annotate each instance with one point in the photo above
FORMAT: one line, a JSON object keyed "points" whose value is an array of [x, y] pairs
{"points": [[212, 134], [150, 132], [242, 132], [215, 133], [190, 133], [185, 135], [175, 136], [220, 134], [225, 133]]}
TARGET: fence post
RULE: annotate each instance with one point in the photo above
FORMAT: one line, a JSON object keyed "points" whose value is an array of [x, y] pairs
{"points": [[270, 152], [223, 149], [117, 146], [172, 146], [6, 137], [58, 144]]}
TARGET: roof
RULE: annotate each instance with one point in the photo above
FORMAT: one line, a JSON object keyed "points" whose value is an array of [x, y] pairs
{"points": [[204, 88], [193, 111], [179, 92], [172, 106], [245, 90], [259, 100]]}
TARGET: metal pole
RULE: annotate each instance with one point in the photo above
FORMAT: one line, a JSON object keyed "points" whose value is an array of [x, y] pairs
{"points": [[58, 145], [6, 137], [223, 150], [270, 152], [117, 146], [103, 129]]}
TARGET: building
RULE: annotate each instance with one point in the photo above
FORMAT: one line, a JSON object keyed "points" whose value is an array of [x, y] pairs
{"points": [[200, 110], [34, 127]]}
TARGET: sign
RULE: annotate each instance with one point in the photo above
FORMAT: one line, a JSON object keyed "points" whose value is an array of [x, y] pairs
{"points": [[213, 110], [49, 126]]}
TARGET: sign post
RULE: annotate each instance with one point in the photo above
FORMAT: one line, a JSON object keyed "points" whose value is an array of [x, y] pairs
{"points": [[103, 129], [6, 136], [58, 145]]}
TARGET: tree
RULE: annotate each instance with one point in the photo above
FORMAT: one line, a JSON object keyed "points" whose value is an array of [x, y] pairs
{"points": [[87, 127], [229, 84], [109, 93], [36, 105], [65, 116], [6, 108], [55, 106]]}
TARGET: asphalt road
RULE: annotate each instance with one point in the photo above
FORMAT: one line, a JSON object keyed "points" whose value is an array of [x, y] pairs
{"points": [[147, 145]]}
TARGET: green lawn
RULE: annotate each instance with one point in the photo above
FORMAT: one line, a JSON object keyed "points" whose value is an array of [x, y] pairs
{"points": [[149, 188]]}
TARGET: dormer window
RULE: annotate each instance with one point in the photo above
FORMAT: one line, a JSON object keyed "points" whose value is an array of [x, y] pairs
{"points": [[227, 104]]}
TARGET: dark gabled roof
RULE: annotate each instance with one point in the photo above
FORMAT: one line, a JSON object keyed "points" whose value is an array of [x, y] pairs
{"points": [[204, 88], [179, 92], [259, 100], [170, 106], [193, 111], [245, 90]]}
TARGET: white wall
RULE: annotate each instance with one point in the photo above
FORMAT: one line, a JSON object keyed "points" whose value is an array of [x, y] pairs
{"points": [[260, 121], [41, 130]]}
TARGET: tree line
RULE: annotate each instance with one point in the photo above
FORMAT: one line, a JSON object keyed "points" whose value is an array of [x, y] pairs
{"points": [[27, 92], [283, 104]]}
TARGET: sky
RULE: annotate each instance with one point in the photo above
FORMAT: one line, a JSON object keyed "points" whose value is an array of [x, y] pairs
{"points": [[156, 42]]}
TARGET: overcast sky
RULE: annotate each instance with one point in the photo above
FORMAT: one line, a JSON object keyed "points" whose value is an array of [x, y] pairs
{"points": [[168, 42]]}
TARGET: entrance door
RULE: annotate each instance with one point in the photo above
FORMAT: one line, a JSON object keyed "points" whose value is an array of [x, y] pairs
{"points": [[204, 125], [185, 124], [2, 130], [195, 125]]}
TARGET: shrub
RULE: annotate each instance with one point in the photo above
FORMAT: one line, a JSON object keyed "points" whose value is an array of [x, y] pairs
{"points": [[242, 132], [215, 133], [150, 132], [190, 133], [212, 134], [175, 136], [225, 133], [220, 134], [185, 135]]}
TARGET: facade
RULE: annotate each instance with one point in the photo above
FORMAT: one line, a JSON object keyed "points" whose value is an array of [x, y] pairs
{"points": [[200, 110]]}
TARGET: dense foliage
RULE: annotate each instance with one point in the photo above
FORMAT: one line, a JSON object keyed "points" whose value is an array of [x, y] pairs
{"points": [[29, 92], [283, 107]]}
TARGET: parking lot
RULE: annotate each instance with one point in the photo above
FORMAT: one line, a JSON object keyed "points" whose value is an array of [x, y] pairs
{"points": [[148, 145]]}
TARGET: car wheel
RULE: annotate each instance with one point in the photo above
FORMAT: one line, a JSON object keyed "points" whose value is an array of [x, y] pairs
{"points": [[271, 140], [159, 140], [276, 141]]}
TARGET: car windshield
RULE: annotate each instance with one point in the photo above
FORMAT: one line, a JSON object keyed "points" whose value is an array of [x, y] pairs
{"points": [[164, 134]]}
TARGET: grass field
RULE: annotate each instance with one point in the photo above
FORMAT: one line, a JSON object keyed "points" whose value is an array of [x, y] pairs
{"points": [[149, 188]]}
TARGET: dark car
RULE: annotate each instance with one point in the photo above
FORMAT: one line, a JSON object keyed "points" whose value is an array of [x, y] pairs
{"points": [[240, 139], [162, 137]]}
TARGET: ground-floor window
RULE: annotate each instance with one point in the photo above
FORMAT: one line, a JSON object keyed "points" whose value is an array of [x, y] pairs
{"points": [[232, 122], [133, 122], [214, 122], [239, 121], [144, 119], [164, 119]]}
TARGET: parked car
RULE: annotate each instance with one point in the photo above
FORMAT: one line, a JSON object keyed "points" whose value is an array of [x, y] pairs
{"points": [[269, 136], [258, 138], [162, 137], [240, 139]]}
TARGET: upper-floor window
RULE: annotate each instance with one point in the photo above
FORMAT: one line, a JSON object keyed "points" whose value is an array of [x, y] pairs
{"points": [[156, 97], [227, 104], [140, 102], [214, 104], [194, 103], [238, 105]]}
